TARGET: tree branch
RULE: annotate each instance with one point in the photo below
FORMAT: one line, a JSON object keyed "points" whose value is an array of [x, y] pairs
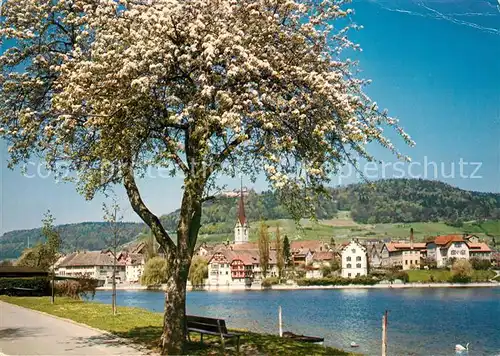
{"points": [[176, 157], [141, 209], [230, 148]]}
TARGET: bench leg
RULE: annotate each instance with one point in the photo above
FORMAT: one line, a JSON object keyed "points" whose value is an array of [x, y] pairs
{"points": [[223, 343], [201, 338], [238, 346]]}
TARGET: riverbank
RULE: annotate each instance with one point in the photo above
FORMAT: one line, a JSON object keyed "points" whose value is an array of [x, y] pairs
{"points": [[143, 327], [296, 287]]}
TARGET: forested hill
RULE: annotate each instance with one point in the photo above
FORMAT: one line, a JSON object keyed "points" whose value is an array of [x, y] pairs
{"points": [[384, 201], [411, 200], [83, 236], [387, 201]]}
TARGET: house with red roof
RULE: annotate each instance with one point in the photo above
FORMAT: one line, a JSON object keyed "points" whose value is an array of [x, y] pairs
{"points": [[231, 266], [404, 255], [480, 250], [447, 247]]}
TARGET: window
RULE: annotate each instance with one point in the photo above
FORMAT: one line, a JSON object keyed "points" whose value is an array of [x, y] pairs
{"points": [[353, 250], [458, 244], [453, 252], [462, 252], [348, 275], [358, 274], [227, 272], [348, 265], [406, 262], [358, 265], [348, 258], [411, 262], [358, 258]]}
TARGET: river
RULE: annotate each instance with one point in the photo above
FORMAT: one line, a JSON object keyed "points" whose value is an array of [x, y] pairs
{"points": [[421, 321]]}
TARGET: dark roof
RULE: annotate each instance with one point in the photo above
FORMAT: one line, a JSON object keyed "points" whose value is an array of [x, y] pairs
{"points": [[88, 258]]}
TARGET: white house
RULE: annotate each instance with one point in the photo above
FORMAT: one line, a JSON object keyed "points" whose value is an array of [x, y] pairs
{"points": [[92, 264], [443, 248], [219, 268], [134, 267], [354, 260]]}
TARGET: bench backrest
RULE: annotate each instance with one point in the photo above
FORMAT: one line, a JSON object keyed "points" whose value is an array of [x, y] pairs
{"points": [[208, 324]]}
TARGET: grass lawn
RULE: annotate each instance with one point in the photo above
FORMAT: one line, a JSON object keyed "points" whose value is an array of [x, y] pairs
{"points": [[442, 275], [144, 327]]}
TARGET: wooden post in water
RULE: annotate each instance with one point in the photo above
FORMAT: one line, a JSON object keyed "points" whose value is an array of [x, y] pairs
{"points": [[280, 321], [384, 334]]}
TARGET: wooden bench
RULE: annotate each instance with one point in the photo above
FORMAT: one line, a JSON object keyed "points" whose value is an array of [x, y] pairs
{"points": [[210, 326]]}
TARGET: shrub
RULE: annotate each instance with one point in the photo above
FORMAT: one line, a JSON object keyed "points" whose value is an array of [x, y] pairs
{"points": [[270, 281], [398, 274], [337, 281], [326, 271], [38, 286], [479, 264], [76, 288], [365, 280], [461, 272]]}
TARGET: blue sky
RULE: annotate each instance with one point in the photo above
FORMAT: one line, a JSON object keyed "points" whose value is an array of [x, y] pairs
{"points": [[434, 64]]}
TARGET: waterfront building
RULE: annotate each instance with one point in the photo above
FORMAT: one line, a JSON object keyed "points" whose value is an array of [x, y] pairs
{"points": [[375, 254], [447, 247], [91, 264], [302, 251], [480, 250], [134, 267], [354, 260]]}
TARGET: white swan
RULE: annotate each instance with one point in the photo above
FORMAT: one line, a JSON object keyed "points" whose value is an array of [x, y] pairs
{"points": [[459, 347]]}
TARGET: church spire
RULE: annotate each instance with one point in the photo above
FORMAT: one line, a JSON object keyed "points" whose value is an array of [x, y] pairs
{"points": [[241, 206]]}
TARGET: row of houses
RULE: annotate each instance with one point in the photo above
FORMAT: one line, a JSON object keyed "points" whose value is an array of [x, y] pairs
{"points": [[239, 264], [440, 251], [99, 264]]}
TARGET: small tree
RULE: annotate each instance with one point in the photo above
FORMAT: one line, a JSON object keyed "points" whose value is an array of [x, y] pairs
{"points": [[461, 271], [263, 249], [280, 258], [44, 254], [198, 271], [51, 246], [155, 272], [113, 217], [286, 251], [335, 264], [326, 270]]}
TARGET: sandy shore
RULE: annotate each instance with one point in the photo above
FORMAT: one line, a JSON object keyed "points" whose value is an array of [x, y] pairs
{"points": [[295, 287]]}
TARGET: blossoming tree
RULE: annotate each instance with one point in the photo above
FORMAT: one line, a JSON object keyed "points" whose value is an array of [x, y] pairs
{"points": [[108, 88]]}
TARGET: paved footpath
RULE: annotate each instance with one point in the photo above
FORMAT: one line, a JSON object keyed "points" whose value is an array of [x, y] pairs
{"points": [[27, 332]]}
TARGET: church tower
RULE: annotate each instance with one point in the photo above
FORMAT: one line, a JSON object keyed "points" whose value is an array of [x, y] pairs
{"points": [[241, 229]]}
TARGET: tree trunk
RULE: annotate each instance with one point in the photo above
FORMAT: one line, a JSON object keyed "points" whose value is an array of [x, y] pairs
{"points": [[174, 327], [113, 296]]}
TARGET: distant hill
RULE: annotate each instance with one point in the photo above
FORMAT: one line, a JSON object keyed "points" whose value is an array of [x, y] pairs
{"points": [[412, 200], [83, 236], [440, 207]]}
